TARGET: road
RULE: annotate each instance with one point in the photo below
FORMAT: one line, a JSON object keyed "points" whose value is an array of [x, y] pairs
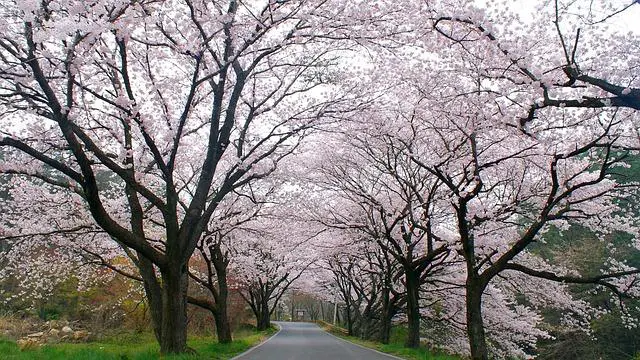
{"points": [[307, 341]]}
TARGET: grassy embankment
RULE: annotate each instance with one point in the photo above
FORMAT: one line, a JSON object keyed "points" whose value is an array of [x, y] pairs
{"points": [[130, 346], [395, 346]]}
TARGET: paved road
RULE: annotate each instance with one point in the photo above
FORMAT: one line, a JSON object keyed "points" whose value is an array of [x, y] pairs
{"points": [[307, 341]]}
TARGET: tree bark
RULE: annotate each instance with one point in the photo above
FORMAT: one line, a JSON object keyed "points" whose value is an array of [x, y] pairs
{"points": [[413, 308], [475, 324], [292, 307], [263, 318], [385, 329], [221, 315], [173, 338], [223, 327], [385, 318], [153, 291], [349, 319]]}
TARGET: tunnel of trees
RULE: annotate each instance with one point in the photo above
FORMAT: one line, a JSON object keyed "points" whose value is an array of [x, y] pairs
{"points": [[457, 170]]}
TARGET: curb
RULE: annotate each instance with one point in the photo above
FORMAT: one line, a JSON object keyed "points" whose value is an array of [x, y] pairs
{"points": [[260, 344]]}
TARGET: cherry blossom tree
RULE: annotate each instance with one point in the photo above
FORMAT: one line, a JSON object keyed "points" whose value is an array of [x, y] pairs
{"points": [[214, 279], [270, 256], [396, 201], [575, 127], [39, 266], [178, 102], [368, 281], [218, 248]]}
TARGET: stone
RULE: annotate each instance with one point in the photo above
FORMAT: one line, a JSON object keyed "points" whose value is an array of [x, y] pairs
{"points": [[53, 323], [81, 335], [67, 330], [36, 335], [27, 344]]}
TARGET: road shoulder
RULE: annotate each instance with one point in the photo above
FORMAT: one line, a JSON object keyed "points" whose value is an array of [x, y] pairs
{"points": [[259, 344], [391, 356]]}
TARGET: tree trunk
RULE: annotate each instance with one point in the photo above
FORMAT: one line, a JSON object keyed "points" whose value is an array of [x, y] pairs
{"points": [[173, 338], [223, 327], [385, 318], [364, 327], [264, 318], [385, 329], [475, 325], [153, 291], [349, 319], [413, 308], [291, 308], [221, 314]]}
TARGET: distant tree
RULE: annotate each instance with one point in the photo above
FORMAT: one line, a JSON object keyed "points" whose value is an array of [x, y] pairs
{"points": [[391, 201], [269, 257]]}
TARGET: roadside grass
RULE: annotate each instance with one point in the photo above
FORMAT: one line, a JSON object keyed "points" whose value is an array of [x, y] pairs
{"points": [[129, 346], [395, 346]]}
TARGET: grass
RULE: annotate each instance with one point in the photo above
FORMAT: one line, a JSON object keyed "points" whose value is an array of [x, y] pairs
{"points": [[134, 347], [395, 346]]}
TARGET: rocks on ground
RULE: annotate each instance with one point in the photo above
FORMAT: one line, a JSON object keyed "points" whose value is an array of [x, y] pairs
{"points": [[33, 335]]}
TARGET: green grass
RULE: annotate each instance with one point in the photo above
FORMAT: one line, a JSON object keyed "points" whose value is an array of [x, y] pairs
{"points": [[133, 347], [395, 346]]}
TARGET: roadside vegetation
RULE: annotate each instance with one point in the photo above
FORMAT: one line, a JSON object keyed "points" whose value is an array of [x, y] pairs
{"points": [[135, 346]]}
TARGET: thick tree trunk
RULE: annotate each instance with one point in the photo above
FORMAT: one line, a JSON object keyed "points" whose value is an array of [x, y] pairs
{"points": [[349, 319], [364, 327], [219, 312], [385, 330], [153, 291], [264, 318], [385, 318], [221, 315], [152, 287], [475, 324], [413, 308], [173, 338], [223, 327]]}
